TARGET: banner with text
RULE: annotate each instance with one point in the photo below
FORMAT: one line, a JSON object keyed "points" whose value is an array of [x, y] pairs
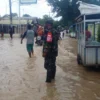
{"points": [[28, 1]]}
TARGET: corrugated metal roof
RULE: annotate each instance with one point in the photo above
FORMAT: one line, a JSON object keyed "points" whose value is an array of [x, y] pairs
{"points": [[15, 21]]}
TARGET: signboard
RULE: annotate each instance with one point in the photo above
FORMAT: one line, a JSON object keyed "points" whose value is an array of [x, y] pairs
{"points": [[28, 1]]}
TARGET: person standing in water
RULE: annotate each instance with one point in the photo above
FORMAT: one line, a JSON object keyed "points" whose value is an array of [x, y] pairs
{"points": [[29, 34], [11, 32], [50, 50]]}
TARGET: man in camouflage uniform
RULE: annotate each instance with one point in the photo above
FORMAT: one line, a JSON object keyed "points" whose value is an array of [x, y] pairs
{"points": [[50, 51]]}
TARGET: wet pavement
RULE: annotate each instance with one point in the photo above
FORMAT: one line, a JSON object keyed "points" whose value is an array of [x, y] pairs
{"points": [[23, 78]]}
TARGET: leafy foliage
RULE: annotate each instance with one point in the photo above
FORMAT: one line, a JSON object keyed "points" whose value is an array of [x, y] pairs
{"points": [[68, 9], [26, 15], [13, 15]]}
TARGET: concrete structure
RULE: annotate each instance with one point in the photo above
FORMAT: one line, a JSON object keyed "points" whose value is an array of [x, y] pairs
{"points": [[5, 24]]}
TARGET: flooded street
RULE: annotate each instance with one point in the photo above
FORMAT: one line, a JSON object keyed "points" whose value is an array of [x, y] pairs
{"points": [[23, 78]]}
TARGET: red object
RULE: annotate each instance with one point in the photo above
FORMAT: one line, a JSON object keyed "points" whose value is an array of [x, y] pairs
{"points": [[49, 37], [88, 35], [2, 34]]}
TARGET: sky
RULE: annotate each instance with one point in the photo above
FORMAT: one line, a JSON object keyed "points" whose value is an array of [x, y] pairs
{"points": [[35, 10]]}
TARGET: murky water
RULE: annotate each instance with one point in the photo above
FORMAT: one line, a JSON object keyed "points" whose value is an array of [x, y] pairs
{"points": [[23, 78]]}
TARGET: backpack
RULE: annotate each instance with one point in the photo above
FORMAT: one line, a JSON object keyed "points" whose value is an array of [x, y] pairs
{"points": [[49, 37]]}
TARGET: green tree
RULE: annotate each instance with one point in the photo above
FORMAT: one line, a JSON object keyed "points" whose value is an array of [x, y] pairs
{"points": [[41, 21], [13, 15], [26, 15], [68, 9], [45, 17], [6, 16]]}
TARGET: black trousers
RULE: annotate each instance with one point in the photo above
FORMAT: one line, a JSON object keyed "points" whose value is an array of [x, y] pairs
{"points": [[11, 35], [50, 65]]}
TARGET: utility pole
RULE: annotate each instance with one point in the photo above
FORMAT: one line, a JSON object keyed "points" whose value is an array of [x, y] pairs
{"points": [[10, 8], [19, 18]]}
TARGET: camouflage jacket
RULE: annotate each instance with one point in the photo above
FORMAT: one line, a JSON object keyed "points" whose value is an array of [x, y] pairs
{"points": [[51, 48]]}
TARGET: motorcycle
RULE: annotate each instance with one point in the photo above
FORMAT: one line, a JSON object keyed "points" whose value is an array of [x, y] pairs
{"points": [[39, 41]]}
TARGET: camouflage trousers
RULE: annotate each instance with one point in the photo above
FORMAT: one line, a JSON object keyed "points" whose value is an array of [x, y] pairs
{"points": [[50, 66]]}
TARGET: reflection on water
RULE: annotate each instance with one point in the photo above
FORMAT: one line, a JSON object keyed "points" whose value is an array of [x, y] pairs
{"points": [[11, 42], [23, 78], [51, 92], [85, 81]]}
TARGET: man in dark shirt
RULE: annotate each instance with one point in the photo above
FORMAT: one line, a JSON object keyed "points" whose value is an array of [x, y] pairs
{"points": [[50, 51], [11, 32]]}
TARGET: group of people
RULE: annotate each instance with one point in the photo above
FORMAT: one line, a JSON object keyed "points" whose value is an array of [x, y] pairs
{"points": [[11, 32], [50, 47], [50, 38]]}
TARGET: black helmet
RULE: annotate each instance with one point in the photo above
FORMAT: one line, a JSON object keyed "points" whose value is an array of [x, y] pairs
{"points": [[29, 26]]}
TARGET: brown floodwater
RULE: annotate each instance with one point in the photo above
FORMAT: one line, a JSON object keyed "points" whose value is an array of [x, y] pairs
{"points": [[23, 78]]}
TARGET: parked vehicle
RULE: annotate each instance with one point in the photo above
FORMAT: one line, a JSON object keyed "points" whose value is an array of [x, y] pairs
{"points": [[39, 41], [72, 34], [88, 44]]}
